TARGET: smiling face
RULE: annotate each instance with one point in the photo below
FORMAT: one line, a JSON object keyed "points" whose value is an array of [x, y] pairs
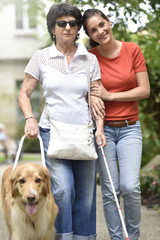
{"points": [[99, 29], [65, 34]]}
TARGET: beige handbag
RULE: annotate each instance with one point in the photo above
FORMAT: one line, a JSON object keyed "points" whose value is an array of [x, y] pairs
{"points": [[74, 142]]}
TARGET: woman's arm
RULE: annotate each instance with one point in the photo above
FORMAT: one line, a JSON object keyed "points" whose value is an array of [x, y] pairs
{"points": [[28, 85], [99, 105], [140, 92], [99, 134]]}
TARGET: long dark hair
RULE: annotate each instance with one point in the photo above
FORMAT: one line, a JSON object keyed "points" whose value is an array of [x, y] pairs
{"points": [[59, 10], [88, 14]]}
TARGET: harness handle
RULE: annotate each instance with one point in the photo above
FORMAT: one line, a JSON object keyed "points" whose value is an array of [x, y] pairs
{"points": [[20, 148]]}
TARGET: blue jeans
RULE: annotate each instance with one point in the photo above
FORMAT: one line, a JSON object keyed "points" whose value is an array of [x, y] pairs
{"points": [[74, 190], [123, 153]]}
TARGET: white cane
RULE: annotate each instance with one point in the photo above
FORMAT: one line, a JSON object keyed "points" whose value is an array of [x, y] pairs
{"points": [[114, 192]]}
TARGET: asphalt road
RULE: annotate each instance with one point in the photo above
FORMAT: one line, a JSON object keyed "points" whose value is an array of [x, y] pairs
{"points": [[150, 226]]}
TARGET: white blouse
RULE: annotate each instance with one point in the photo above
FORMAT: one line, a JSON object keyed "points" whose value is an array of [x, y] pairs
{"points": [[65, 86]]}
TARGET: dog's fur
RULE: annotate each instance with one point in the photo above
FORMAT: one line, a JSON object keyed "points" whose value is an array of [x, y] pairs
{"points": [[27, 203]]}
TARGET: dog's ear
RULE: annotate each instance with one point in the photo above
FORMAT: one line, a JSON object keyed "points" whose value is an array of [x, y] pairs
{"points": [[47, 183], [13, 187]]}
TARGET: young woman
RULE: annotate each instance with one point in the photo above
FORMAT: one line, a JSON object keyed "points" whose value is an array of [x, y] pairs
{"points": [[124, 81]]}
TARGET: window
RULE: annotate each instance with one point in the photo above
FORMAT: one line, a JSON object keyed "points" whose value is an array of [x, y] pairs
{"points": [[24, 22]]}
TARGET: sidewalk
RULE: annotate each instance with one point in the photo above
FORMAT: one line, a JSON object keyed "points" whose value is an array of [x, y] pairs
{"points": [[150, 226]]}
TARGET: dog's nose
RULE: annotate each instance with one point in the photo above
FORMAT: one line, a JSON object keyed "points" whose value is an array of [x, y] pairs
{"points": [[31, 197]]}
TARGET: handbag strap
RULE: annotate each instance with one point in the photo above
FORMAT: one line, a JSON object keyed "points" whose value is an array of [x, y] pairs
{"points": [[88, 77]]}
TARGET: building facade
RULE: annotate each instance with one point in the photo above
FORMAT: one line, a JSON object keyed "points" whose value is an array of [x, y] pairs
{"points": [[18, 42]]}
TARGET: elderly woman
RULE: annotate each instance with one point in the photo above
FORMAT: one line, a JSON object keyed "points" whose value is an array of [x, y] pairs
{"points": [[61, 70]]}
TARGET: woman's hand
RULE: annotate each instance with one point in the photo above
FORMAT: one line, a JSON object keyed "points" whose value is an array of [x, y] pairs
{"points": [[31, 128], [97, 107], [101, 92], [100, 138]]}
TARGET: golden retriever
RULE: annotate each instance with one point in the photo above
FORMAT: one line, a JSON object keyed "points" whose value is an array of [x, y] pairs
{"points": [[27, 203]]}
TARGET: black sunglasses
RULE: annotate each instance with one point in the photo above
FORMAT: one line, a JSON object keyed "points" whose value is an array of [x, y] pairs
{"points": [[72, 23]]}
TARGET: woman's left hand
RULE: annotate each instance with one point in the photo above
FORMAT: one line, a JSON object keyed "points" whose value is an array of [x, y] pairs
{"points": [[100, 138], [100, 91]]}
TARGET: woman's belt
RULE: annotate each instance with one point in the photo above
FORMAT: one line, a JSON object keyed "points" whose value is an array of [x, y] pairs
{"points": [[119, 123]]}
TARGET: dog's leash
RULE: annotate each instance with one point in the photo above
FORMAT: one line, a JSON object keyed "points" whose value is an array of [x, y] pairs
{"points": [[115, 195], [20, 148]]}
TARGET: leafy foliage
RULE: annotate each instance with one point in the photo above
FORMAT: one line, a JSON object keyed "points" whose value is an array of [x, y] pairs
{"points": [[150, 187]]}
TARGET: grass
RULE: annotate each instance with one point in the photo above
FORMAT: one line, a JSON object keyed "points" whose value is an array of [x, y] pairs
{"points": [[25, 157]]}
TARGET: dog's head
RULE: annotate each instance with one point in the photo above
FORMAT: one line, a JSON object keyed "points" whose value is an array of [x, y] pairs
{"points": [[30, 186]]}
